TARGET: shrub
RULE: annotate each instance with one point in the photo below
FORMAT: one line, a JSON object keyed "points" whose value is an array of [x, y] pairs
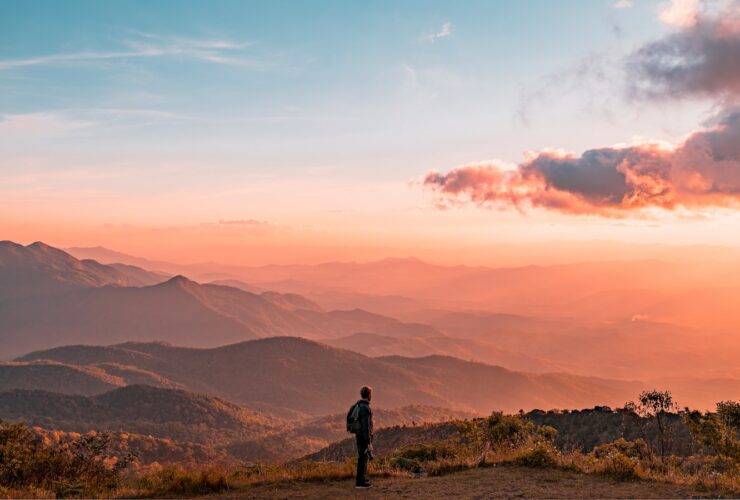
{"points": [[412, 458], [501, 432], [619, 466], [408, 464], [540, 457], [73, 467], [428, 452], [637, 449]]}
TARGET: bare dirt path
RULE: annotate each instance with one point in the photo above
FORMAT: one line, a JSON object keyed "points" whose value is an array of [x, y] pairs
{"points": [[494, 482]]}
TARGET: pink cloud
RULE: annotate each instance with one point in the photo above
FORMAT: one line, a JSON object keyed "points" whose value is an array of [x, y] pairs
{"points": [[701, 59], [702, 171]]}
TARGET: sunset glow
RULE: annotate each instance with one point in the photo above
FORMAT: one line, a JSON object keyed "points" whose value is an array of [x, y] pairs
{"points": [[305, 248], [319, 133]]}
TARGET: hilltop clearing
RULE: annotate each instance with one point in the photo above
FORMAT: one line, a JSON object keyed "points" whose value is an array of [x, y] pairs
{"points": [[492, 482]]}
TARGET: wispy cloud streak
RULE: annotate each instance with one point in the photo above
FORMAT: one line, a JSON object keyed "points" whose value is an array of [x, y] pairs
{"points": [[443, 32], [146, 45]]}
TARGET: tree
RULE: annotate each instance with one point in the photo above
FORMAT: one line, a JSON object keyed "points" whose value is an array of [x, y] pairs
{"points": [[655, 406], [719, 431]]}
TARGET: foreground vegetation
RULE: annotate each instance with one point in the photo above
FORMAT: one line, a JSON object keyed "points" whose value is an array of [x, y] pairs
{"points": [[87, 466]]}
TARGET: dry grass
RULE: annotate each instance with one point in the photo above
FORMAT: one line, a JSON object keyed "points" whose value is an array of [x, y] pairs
{"points": [[488, 482], [500, 443], [535, 471]]}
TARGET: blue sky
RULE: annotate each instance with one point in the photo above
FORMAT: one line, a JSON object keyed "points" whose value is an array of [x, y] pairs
{"points": [[335, 80], [142, 103]]}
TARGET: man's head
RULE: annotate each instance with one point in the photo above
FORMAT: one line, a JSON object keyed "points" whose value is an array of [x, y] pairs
{"points": [[366, 393]]}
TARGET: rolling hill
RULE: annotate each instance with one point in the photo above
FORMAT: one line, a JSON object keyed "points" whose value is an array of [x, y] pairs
{"points": [[294, 376], [376, 345], [164, 413], [58, 377], [162, 424]]}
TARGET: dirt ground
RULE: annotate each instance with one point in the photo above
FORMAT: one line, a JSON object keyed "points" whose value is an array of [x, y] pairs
{"points": [[495, 482]]}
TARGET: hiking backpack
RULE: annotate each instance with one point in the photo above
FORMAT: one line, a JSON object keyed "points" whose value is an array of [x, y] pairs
{"points": [[353, 419]]}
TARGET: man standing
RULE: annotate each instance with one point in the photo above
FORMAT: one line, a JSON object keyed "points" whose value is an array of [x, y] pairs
{"points": [[364, 437]]}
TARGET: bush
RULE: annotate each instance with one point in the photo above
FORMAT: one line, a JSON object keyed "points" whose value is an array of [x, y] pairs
{"points": [[504, 434], [408, 464], [619, 466], [637, 449], [540, 457], [412, 458], [74, 467], [428, 452]]}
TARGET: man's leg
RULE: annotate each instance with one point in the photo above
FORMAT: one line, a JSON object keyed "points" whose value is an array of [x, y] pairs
{"points": [[364, 466], [361, 462]]}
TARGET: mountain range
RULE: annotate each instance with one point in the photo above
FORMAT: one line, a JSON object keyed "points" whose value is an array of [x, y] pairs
{"points": [[289, 376], [688, 291], [49, 298]]}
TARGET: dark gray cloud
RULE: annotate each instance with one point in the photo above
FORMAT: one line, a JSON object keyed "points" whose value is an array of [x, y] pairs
{"points": [[702, 171], [699, 60]]}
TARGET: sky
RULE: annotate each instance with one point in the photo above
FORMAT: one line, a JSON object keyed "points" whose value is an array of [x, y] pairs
{"points": [[262, 131]]}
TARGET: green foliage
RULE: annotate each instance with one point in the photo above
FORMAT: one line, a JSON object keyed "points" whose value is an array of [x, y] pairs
{"points": [[620, 459], [70, 468], [501, 432], [620, 467], [718, 431], [637, 449], [656, 406], [428, 452], [413, 458], [587, 429], [729, 414], [540, 457]]}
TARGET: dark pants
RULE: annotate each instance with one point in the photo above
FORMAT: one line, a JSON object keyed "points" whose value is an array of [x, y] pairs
{"points": [[361, 460]]}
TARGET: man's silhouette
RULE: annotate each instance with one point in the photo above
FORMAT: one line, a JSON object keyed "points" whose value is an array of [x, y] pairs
{"points": [[364, 437]]}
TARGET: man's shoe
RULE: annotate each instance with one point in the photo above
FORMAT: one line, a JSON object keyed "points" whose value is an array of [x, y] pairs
{"points": [[363, 486]]}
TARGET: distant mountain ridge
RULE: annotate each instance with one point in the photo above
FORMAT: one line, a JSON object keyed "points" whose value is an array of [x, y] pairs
{"points": [[55, 376], [38, 269], [296, 375], [376, 345], [52, 299], [671, 290]]}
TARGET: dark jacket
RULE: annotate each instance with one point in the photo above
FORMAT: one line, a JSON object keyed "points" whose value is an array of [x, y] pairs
{"points": [[366, 422]]}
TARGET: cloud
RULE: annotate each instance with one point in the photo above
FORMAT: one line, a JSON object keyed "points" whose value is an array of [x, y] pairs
{"points": [[252, 227], [146, 45], [243, 222], [443, 32], [701, 59], [622, 4], [682, 13], [703, 171]]}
